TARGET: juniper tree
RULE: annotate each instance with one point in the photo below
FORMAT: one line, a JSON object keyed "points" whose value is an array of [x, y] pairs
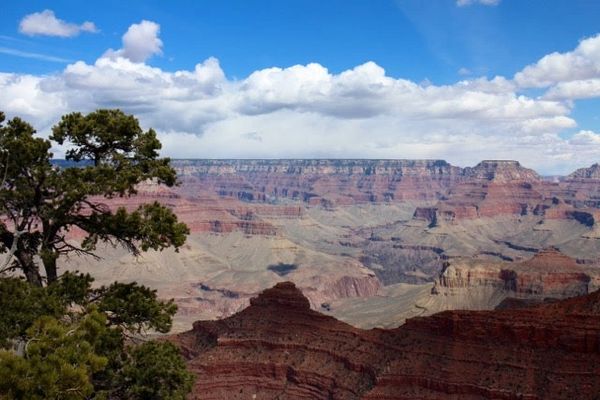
{"points": [[71, 341], [40, 203]]}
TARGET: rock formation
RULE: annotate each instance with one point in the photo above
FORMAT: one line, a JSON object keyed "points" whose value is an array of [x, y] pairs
{"points": [[323, 182], [592, 172], [548, 274], [342, 229], [278, 348]]}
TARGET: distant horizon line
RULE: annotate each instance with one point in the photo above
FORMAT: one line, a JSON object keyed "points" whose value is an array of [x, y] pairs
{"points": [[365, 159]]}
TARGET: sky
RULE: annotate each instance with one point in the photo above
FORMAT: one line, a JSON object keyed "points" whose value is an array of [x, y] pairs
{"points": [[460, 80]]}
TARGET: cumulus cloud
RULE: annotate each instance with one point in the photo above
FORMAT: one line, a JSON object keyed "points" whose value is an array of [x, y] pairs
{"points": [[586, 138], [581, 64], [45, 23], [306, 110], [140, 42], [582, 89], [463, 3]]}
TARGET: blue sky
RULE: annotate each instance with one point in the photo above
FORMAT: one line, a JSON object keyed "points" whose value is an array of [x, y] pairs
{"points": [[436, 54]]}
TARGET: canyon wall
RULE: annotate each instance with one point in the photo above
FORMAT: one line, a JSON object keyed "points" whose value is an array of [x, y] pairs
{"points": [[446, 193], [278, 348], [548, 274]]}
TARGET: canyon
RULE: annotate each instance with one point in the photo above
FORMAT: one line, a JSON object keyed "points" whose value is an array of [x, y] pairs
{"points": [[371, 242], [279, 347]]}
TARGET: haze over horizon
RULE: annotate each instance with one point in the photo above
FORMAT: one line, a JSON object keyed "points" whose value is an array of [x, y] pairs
{"points": [[459, 80]]}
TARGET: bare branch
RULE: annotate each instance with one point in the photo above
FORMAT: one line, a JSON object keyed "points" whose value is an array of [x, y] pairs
{"points": [[11, 252]]}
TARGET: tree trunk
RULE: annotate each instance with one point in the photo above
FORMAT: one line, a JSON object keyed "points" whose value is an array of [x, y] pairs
{"points": [[30, 269], [49, 258]]}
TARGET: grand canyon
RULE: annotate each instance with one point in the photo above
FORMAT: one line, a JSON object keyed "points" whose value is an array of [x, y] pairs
{"points": [[278, 348], [370, 242], [300, 200]]}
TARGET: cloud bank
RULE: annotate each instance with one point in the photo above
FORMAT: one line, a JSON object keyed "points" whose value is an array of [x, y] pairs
{"points": [[308, 111], [45, 23]]}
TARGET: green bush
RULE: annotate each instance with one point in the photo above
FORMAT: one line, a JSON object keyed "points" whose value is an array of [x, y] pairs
{"points": [[69, 341]]}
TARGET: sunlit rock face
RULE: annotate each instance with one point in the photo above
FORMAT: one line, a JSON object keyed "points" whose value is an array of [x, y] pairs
{"points": [[548, 274]]}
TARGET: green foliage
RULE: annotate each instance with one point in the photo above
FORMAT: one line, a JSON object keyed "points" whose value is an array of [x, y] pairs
{"points": [[39, 203], [135, 308], [72, 288], [58, 362], [71, 342], [155, 371], [21, 304], [67, 340]]}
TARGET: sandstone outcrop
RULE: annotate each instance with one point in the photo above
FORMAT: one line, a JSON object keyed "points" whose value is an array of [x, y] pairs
{"points": [[548, 274], [278, 348]]}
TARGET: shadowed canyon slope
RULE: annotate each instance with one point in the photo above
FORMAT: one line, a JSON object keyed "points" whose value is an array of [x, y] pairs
{"points": [[370, 241], [278, 348]]}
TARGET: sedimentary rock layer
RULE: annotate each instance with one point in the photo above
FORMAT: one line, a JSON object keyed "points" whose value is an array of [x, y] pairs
{"points": [[548, 274], [278, 348], [448, 193]]}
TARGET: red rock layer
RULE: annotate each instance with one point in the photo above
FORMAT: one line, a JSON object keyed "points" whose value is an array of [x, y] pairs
{"points": [[205, 213], [243, 195], [280, 349], [490, 189], [548, 274], [545, 352], [323, 182]]}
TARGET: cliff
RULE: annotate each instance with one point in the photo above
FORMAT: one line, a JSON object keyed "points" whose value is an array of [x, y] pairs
{"points": [[323, 182], [278, 348], [490, 189], [442, 193], [592, 172], [549, 273]]}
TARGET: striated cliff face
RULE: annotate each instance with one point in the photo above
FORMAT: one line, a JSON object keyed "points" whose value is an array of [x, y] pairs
{"points": [[323, 182], [502, 171], [222, 196], [491, 188], [278, 348], [543, 352], [592, 172], [548, 274]]}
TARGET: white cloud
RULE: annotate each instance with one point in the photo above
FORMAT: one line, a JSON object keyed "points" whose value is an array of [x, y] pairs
{"points": [[305, 110], [463, 3], [580, 64], [582, 89], [586, 138], [45, 23], [140, 42]]}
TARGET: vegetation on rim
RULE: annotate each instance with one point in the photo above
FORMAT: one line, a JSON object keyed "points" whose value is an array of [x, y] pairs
{"points": [[62, 338]]}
